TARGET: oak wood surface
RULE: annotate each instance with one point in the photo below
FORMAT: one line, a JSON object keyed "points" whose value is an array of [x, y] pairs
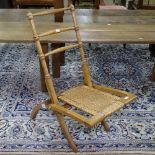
{"points": [[87, 15], [84, 12], [136, 27], [115, 33]]}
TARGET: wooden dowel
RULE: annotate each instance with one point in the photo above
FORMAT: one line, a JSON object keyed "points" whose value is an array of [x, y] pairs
{"points": [[43, 84], [72, 114], [85, 69], [65, 131], [56, 31], [52, 11], [153, 74], [106, 89], [48, 80], [105, 126], [96, 119], [61, 49]]}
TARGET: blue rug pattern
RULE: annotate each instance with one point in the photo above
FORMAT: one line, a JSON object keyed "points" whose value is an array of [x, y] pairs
{"points": [[131, 129]]}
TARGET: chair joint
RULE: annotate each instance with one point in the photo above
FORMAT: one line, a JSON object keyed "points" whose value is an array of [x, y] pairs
{"points": [[47, 76], [72, 7], [41, 56], [80, 44], [84, 61], [36, 37], [76, 28], [30, 16]]}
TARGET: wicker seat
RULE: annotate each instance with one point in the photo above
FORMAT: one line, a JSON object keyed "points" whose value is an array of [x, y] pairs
{"points": [[87, 103], [91, 100]]}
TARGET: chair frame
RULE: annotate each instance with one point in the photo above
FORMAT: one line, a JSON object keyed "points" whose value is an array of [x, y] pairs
{"points": [[53, 102]]}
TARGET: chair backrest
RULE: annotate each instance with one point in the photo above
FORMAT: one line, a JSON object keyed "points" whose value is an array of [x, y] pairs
{"points": [[42, 56]]}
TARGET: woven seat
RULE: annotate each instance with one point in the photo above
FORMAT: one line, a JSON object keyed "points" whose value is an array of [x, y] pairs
{"points": [[91, 100], [98, 101], [88, 103]]}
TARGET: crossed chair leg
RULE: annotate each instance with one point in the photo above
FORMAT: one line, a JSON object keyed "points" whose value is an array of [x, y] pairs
{"points": [[65, 131], [62, 123], [105, 126]]}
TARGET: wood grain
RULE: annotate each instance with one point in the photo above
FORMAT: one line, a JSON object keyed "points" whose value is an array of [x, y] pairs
{"points": [[115, 33], [102, 26]]}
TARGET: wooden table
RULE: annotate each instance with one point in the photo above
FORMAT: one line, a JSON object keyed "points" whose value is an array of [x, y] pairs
{"points": [[107, 26]]}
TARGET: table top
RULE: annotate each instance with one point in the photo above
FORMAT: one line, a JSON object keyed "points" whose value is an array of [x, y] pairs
{"points": [[106, 26]]}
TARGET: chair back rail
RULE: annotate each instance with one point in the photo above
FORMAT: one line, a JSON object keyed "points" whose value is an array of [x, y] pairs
{"points": [[36, 36]]}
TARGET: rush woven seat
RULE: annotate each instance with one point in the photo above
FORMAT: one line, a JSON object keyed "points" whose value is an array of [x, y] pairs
{"points": [[91, 100], [87, 103]]}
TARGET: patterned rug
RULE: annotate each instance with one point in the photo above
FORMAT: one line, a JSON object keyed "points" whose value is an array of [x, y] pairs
{"points": [[131, 129]]}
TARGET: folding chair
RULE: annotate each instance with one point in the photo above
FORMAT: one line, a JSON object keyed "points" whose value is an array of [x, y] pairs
{"points": [[95, 100]]}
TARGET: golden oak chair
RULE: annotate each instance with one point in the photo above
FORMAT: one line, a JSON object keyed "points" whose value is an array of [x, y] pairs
{"points": [[95, 100]]}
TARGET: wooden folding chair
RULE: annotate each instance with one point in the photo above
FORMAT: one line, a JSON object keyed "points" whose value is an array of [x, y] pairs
{"points": [[95, 100]]}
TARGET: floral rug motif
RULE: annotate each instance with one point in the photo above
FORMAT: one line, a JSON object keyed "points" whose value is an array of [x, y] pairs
{"points": [[131, 129]]}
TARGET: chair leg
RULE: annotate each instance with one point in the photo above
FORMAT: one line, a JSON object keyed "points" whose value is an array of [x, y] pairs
{"points": [[105, 126], [45, 50], [152, 78], [35, 111], [37, 107], [66, 132], [124, 46]]}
